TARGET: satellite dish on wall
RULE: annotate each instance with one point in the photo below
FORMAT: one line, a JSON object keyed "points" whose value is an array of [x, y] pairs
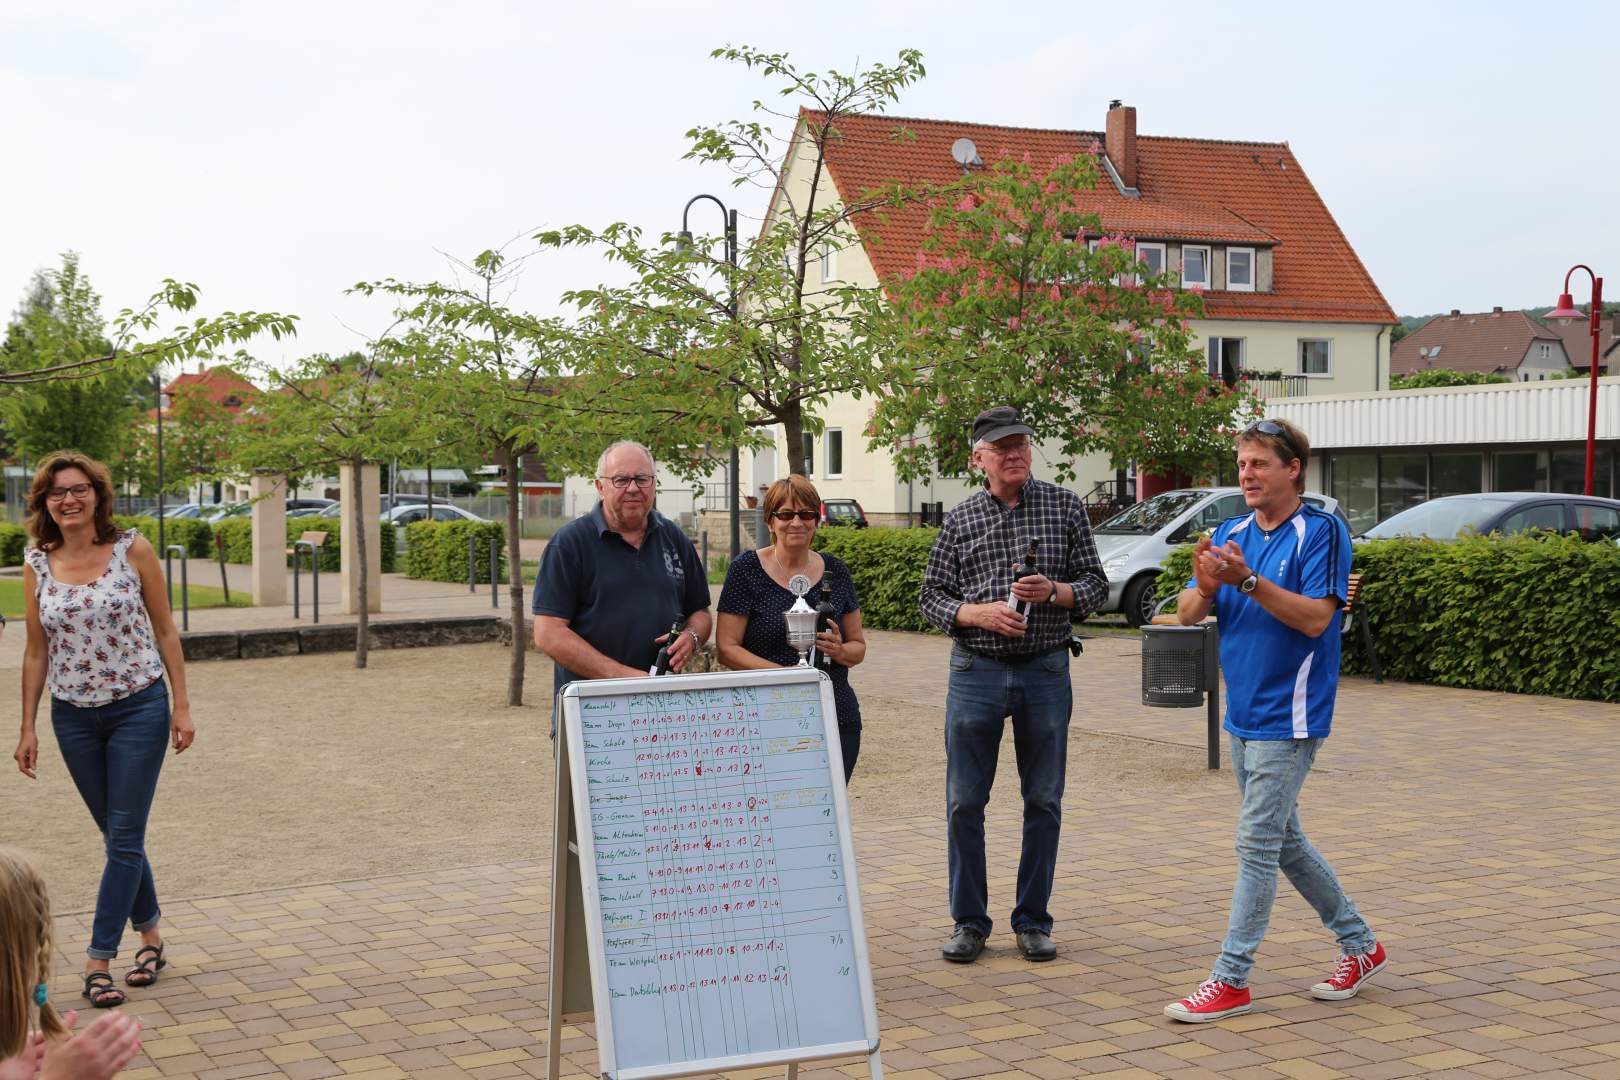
{"points": [[965, 154]]}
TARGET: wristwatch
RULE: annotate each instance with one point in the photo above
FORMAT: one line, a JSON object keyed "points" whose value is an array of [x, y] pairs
{"points": [[697, 642], [1248, 584], [1053, 598]]}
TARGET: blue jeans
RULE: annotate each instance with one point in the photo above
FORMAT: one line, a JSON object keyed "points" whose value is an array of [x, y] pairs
{"points": [[983, 693], [114, 753], [1270, 774]]}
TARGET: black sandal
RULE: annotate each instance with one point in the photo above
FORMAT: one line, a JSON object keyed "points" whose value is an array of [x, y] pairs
{"points": [[99, 988], [144, 973]]}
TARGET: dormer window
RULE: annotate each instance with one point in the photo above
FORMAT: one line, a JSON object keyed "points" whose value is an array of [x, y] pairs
{"points": [[1240, 269], [1194, 267], [1152, 256]]}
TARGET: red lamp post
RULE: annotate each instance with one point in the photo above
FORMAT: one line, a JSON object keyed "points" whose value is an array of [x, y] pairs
{"points": [[1566, 309]]}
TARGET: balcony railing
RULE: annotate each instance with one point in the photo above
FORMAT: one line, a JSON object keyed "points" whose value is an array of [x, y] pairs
{"points": [[1280, 386]]}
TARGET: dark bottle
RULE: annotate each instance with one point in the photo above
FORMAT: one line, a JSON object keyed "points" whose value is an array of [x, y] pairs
{"points": [[661, 665], [826, 615], [1027, 570]]}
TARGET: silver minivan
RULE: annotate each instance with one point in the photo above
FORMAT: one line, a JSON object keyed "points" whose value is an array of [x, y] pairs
{"points": [[1134, 542]]}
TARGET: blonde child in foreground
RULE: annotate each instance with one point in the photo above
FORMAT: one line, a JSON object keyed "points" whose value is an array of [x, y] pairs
{"points": [[34, 1040]]}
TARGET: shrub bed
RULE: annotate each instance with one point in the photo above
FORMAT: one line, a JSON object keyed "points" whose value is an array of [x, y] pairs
{"points": [[194, 534], [887, 565], [238, 534], [437, 550]]}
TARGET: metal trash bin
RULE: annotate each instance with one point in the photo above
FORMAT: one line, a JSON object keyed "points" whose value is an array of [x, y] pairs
{"points": [[1181, 669], [1173, 666]]}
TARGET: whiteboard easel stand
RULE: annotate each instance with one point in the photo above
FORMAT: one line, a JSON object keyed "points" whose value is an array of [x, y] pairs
{"points": [[565, 852]]}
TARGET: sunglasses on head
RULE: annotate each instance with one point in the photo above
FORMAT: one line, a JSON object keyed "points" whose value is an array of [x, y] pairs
{"points": [[789, 515], [1276, 431]]}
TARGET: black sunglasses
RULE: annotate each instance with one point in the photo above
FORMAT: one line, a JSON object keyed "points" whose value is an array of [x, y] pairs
{"points": [[789, 515], [1276, 430]]}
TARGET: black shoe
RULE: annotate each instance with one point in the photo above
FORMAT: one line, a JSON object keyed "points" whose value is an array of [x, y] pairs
{"points": [[1036, 945], [965, 946]]}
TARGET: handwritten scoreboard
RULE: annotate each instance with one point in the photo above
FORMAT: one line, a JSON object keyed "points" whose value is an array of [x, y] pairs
{"points": [[721, 907]]}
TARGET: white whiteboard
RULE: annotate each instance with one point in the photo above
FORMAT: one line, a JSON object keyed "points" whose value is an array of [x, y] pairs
{"points": [[722, 908]]}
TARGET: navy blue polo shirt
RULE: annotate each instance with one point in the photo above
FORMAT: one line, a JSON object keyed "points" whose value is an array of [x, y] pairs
{"points": [[619, 598]]}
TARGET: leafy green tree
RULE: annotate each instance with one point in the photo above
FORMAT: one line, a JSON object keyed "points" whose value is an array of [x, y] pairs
{"points": [[58, 325], [692, 353], [323, 413], [1021, 299], [486, 380]]}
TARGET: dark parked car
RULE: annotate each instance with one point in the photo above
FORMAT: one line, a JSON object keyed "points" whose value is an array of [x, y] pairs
{"points": [[843, 512], [1505, 512]]}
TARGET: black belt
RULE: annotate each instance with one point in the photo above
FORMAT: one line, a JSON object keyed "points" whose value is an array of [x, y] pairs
{"points": [[1016, 659]]}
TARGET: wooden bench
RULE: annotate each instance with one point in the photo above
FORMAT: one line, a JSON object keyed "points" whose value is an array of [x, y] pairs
{"points": [[1351, 603], [310, 536]]}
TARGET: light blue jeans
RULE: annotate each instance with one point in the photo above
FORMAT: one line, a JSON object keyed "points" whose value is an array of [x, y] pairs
{"points": [[1270, 774]]}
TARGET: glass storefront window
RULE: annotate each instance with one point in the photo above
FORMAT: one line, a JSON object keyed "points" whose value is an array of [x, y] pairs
{"points": [[1456, 474], [1403, 480], [1567, 472], [1520, 470], [1353, 480]]}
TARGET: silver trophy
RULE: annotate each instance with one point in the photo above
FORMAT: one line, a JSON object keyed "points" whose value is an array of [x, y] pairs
{"points": [[801, 620]]}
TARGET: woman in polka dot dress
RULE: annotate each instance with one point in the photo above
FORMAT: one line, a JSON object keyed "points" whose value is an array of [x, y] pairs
{"points": [[750, 632]]}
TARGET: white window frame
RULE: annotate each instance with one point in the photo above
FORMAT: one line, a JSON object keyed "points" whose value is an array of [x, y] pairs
{"points": [[1091, 246], [1546, 350], [1187, 282], [826, 453], [1299, 358], [1164, 254], [829, 261], [1230, 287]]}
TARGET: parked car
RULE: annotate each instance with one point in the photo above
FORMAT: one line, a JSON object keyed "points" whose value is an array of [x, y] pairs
{"points": [[1505, 512], [391, 501], [183, 510], [316, 504], [1134, 542], [408, 512], [843, 512]]}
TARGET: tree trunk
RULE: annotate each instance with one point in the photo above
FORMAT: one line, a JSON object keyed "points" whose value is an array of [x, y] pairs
{"points": [[793, 432], [514, 573], [357, 522]]}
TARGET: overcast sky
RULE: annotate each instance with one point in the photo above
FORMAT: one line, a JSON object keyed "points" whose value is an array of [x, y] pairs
{"points": [[277, 154]]}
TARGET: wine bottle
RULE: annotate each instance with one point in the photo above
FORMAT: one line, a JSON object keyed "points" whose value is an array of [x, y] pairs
{"points": [[661, 665], [1027, 570], [826, 615]]}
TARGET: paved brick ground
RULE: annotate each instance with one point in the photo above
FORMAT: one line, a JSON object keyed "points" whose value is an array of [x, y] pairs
{"points": [[1475, 830]]}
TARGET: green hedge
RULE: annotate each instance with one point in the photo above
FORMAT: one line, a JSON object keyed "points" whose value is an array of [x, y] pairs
{"points": [[194, 534], [887, 565], [238, 534], [1525, 614], [437, 550], [13, 539]]}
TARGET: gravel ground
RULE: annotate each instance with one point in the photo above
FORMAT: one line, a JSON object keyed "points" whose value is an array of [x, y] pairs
{"points": [[306, 770]]}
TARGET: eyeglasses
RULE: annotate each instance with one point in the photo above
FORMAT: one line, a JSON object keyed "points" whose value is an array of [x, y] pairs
{"points": [[789, 515], [641, 480], [78, 491], [1003, 451], [1277, 431]]}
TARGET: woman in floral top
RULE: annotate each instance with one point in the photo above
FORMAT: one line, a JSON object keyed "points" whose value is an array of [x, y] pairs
{"points": [[100, 633]]}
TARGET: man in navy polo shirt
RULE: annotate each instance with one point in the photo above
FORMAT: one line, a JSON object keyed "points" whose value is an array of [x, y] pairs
{"points": [[1276, 578], [612, 582]]}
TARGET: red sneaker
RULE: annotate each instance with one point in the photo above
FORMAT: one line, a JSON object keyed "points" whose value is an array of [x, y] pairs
{"points": [[1350, 975], [1212, 1001]]}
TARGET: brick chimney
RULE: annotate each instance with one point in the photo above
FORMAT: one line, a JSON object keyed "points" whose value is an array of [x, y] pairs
{"points": [[1121, 141]]}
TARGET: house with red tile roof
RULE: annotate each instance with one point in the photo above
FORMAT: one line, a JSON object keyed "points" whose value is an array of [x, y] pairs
{"points": [[1286, 298], [1577, 337], [1495, 342]]}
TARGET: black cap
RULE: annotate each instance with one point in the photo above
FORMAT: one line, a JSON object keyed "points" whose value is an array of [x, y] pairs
{"points": [[998, 423]]}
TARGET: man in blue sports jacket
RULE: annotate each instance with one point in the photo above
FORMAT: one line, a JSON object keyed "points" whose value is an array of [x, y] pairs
{"points": [[1276, 578]]}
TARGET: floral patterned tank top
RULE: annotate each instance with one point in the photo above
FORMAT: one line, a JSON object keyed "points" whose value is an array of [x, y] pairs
{"points": [[101, 645]]}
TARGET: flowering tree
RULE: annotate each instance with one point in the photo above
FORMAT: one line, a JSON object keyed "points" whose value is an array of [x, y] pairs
{"points": [[1019, 297]]}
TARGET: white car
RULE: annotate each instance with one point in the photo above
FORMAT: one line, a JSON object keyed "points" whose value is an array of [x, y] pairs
{"points": [[406, 513]]}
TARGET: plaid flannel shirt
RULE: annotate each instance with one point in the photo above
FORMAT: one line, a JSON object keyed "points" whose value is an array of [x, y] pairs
{"points": [[977, 552]]}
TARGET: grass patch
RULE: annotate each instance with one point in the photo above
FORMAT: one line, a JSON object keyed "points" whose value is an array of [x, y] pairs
{"points": [[12, 598]]}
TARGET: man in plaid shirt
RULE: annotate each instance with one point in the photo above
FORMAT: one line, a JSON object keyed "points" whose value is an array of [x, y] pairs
{"points": [[1004, 664]]}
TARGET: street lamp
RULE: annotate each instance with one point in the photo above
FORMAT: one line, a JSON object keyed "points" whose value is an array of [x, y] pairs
{"points": [[683, 242], [1566, 310]]}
